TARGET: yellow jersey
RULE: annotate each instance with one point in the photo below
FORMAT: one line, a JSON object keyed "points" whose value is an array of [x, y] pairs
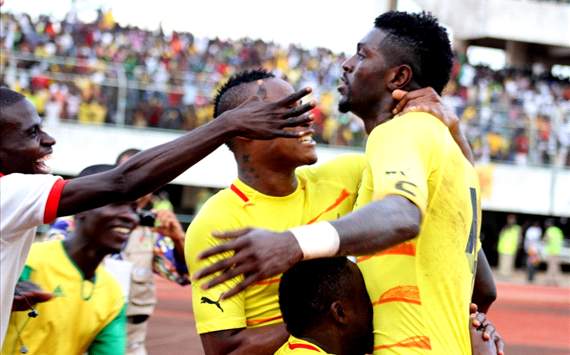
{"points": [[324, 192], [421, 289], [298, 346], [82, 317]]}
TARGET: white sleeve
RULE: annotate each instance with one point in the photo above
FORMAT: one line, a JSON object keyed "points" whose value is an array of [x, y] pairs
{"points": [[28, 200]]}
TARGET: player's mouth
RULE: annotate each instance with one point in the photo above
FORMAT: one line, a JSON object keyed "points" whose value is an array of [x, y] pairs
{"points": [[307, 139], [40, 165], [122, 232]]}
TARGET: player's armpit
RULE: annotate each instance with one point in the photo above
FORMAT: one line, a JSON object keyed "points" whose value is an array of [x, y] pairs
{"points": [[261, 340]]}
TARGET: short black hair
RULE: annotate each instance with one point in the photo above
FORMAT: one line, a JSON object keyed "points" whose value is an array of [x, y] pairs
{"points": [[9, 97], [309, 288], [227, 99], [95, 169], [127, 154], [418, 40]]}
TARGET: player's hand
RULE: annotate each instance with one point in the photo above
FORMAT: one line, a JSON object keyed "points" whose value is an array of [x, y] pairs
{"points": [[28, 294], [424, 100], [168, 225], [258, 118], [257, 254], [485, 339]]}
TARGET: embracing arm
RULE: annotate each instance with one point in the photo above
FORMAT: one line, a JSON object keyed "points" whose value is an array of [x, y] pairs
{"points": [[263, 340], [378, 226], [484, 290], [152, 168]]}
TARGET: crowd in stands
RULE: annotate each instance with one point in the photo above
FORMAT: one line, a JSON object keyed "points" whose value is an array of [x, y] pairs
{"points": [[101, 72]]}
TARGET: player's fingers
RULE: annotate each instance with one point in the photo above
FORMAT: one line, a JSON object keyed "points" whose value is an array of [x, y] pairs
{"points": [[294, 97], [241, 286], [231, 234], [500, 344], [301, 109], [229, 274], [297, 121], [401, 104], [214, 268], [291, 134], [399, 94], [473, 308], [40, 296], [222, 248]]}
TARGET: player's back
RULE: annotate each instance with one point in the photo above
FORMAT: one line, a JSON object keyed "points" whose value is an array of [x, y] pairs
{"points": [[421, 289]]}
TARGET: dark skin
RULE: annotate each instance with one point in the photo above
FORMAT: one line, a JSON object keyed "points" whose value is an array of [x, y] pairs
{"points": [[259, 254], [269, 167], [100, 232], [346, 329], [24, 144]]}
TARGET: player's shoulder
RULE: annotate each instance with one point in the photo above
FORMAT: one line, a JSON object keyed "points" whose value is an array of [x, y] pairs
{"points": [[348, 163], [222, 201], [411, 122]]}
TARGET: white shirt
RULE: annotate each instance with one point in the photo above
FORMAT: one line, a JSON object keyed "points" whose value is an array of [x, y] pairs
{"points": [[532, 238], [26, 201]]}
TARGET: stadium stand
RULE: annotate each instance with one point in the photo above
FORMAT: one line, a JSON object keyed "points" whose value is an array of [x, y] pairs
{"points": [[101, 72]]}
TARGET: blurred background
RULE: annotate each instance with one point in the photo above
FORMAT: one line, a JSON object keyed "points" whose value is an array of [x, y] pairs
{"points": [[112, 75]]}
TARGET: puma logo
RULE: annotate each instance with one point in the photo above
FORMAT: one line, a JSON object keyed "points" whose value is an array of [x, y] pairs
{"points": [[209, 301]]}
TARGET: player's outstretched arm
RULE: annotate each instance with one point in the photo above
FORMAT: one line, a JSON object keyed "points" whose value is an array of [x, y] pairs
{"points": [[427, 100], [259, 253], [152, 168]]}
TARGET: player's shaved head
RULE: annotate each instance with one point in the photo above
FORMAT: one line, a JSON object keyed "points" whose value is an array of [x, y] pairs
{"points": [[234, 92]]}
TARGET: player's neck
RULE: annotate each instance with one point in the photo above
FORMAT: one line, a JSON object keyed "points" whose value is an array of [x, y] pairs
{"points": [[268, 180], [378, 114], [84, 255]]}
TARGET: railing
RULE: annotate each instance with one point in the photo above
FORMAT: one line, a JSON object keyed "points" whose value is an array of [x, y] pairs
{"points": [[497, 133]]}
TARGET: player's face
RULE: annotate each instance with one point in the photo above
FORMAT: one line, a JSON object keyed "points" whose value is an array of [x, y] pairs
{"points": [[24, 146], [110, 226], [289, 151], [360, 333], [362, 81]]}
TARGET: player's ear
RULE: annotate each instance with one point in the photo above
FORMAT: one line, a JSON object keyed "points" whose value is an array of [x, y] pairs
{"points": [[338, 312], [399, 77]]}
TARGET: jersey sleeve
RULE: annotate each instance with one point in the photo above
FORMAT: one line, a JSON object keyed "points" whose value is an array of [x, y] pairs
{"points": [[28, 200], [401, 155], [212, 314], [113, 338], [345, 169]]}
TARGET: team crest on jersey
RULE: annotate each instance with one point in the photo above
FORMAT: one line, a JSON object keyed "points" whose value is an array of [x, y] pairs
{"points": [[58, 292]]}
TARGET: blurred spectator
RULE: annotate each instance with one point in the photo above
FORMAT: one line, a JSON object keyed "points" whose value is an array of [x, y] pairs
{"points": [[508, 245], [554, 239], [533, 249]]}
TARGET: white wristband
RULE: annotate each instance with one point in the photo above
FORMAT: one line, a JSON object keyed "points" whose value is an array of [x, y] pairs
{"points": [[319, 240]]}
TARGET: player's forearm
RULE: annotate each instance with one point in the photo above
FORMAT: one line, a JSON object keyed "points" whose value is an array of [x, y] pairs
{"points": [[484, 290], [461, 140], [263, 340], [378, 226], [145, 172]]}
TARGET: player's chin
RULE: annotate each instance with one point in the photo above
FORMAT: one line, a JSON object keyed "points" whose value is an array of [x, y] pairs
{"points": [[344, 105]]}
